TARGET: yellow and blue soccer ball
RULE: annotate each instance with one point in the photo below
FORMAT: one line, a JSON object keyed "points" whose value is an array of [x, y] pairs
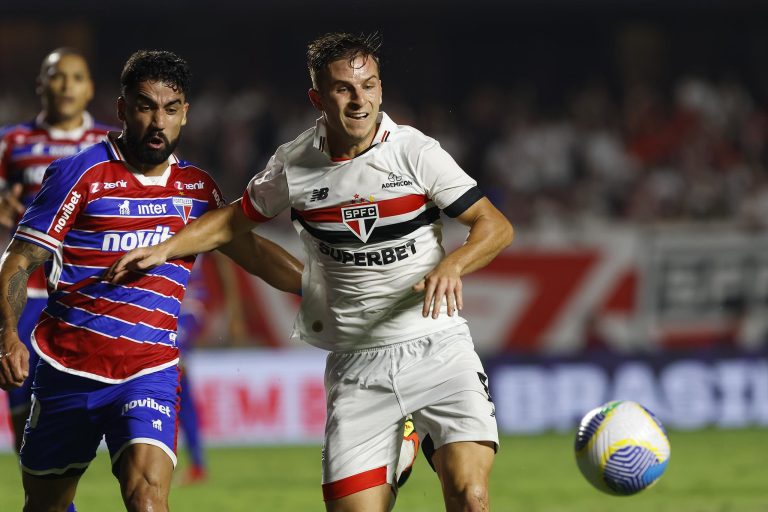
{"points": [[622, 448]]}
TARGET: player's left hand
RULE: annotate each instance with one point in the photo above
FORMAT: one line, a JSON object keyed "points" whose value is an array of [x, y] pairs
{"points": [[14, 363], [142, 258], [441, 283]]}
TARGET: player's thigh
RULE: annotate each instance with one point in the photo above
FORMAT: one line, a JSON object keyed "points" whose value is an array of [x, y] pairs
{"points": [[143, 412], [447, 392], [60, 437], [364, 424], [373, 499], [464, 463], [48, 494]]}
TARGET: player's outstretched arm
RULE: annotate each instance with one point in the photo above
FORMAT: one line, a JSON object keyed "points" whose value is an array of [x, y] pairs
{"points": [[212, 230], [489, 233], [18, 262], [267, 260]]}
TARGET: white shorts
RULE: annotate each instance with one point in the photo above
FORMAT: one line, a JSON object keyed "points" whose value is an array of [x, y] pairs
{"points": [[438, 379]]}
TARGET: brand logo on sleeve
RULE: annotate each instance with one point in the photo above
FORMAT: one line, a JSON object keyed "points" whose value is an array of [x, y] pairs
{"points": [[67, 210]]}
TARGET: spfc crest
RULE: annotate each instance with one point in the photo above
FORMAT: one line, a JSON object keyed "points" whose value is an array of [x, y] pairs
{"points": [[183, 205], [361, 219]]}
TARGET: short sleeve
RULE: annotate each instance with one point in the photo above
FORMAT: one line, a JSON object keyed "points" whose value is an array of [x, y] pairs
{"points": [[267, 193], [452, 189], [53, 211]]}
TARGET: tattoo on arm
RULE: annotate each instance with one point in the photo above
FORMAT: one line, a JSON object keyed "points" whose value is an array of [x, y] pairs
{"points": [[33, 257], [34, 254], [17, 291]]}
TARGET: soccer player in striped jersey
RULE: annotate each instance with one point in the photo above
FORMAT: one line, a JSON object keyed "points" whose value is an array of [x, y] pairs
{"points": [[380, 293], [62, 128], [108, 353]]}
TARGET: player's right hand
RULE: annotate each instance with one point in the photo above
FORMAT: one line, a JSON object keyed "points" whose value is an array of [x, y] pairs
{"points": [[10, 206], [14, 362], [142, 258]]}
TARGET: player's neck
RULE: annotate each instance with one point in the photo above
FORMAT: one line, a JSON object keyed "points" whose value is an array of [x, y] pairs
{"points": [[340, 149], [63, 123]]}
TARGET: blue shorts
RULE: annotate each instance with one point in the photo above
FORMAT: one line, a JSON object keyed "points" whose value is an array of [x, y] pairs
{"points": [[71, 414], [19, 398]]}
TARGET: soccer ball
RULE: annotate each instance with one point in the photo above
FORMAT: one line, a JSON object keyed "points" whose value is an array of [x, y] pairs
{"points": [[621, 448]]}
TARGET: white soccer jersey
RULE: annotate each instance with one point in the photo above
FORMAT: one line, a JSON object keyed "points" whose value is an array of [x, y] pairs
{"points": [[371, 230]]}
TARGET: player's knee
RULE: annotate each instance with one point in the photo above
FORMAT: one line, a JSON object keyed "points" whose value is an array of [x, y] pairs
{"points": [[34, 502], [467, 496], [145, 495]]}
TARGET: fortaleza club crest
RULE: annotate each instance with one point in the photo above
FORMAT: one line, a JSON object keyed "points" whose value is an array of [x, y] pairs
{"points": [[361, 219], [183, 205]]}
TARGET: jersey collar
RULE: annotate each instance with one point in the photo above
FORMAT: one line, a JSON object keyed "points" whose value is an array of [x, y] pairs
{"points": [[386, 127], [58, 134]]}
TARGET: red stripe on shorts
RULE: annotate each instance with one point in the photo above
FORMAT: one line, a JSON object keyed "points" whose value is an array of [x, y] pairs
{"points": [[355, 483]]}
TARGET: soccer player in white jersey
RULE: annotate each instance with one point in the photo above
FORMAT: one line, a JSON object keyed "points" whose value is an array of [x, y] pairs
{"points": [[379, 292]]}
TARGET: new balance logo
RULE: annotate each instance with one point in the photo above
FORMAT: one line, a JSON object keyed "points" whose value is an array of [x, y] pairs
{"points": [[319, 194]]}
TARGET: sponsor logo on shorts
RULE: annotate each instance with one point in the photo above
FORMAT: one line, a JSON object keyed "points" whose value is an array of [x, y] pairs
{"points": [[67, 210], [370, 258], [149, 403], [157, 424]]}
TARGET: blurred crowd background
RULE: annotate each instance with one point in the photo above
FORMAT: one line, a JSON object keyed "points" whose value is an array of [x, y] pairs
{"points": [[566, 112]]}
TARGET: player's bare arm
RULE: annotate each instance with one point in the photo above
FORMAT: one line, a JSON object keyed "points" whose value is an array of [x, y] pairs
{"points": [[211, 231], [267, 260], [18, 262], [489, 233]]}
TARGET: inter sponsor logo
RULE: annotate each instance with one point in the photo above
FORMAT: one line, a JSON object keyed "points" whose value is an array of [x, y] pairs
{"points": [[370, 258], [151, 209], [149, 403], [361, 219], [66, 211], [126, 241]]}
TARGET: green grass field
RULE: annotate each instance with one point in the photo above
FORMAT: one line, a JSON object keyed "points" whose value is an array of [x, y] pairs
{"points": [[710, 471]]}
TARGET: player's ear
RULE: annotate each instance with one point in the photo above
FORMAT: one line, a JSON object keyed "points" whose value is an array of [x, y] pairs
{"points": [[314, 97], [185, 109], [121, 108]]}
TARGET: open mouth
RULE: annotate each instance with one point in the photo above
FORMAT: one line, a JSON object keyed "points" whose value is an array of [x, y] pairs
{"points": [[155, 142], [358, 116]]}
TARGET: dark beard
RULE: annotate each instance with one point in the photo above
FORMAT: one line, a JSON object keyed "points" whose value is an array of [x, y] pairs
{"points": [[146, 155]]}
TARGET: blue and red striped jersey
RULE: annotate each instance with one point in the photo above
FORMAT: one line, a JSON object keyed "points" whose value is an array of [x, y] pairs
{"points": [[26, 151], [91, 209]]}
